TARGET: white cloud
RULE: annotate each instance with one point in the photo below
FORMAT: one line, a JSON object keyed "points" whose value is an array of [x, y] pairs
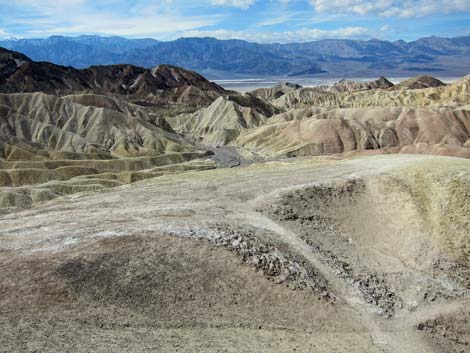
{"points": [[360, 7], [3, 34], [82, 16], [166, 19], [385, 28], [123, 26], [389, 8], [277, 18], [241, 4], [302, 35]]}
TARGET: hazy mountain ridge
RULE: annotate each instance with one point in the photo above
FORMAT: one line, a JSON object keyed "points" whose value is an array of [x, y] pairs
{"points": [[331, 57]]}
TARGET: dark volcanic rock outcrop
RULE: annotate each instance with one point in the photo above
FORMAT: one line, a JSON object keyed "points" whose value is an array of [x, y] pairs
{"points": [[350, 86], [18, 74], [420, 82]]}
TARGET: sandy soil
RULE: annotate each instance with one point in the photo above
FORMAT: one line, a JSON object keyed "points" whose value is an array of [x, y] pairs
{"points": [[361, 255]]}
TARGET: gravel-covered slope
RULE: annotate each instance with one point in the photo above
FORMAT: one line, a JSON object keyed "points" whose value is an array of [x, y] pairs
{"points": [[361, 255]]}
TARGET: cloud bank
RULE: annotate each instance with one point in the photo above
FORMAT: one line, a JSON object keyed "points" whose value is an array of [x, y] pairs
{"points": [[389, 8], [302, 35], [253, 20]]}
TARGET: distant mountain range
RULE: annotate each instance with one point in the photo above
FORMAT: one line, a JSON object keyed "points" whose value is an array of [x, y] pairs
{"points": [[236, 58]]}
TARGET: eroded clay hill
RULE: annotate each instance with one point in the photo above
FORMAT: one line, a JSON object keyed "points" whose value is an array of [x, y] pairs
{"points": [[421, 115], [221, 123], [109, 125], [50, 146], [170, 116], [405, 94], [64, 130], [310, 131]]}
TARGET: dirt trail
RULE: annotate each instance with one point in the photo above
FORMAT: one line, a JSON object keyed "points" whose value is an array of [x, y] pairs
{"points": [[191, 205], [390, 335], [430, 312]]}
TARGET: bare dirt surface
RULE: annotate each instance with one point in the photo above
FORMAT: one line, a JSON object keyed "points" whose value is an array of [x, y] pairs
{"points": [[310, 255]]}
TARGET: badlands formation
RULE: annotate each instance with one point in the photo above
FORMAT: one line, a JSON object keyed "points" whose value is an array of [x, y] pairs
{"points": [[343, 226]]}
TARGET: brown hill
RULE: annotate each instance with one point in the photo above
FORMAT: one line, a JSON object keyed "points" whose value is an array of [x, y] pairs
{"points": [[19, 74], [420, 82], [351, 86]]}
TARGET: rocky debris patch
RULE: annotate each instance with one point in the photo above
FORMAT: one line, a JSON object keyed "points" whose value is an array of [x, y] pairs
{"points": [[304, 210], [455, 331], [326, 218], [274, 260], [372, 287], [453, 278], [377, 293]]}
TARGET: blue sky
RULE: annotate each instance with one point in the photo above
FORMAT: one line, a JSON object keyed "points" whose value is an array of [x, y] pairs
{"points": [[253, 20]]}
